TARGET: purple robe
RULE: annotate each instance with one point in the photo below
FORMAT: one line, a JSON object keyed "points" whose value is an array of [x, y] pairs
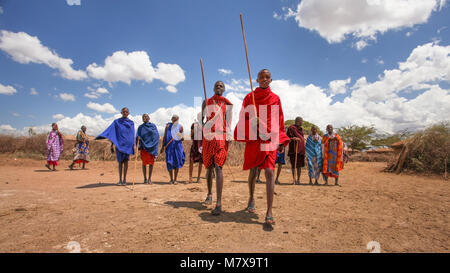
{"points": [[55, 146]]}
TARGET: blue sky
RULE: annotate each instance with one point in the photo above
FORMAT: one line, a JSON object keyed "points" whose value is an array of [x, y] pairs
{"points": [[331, 61]]}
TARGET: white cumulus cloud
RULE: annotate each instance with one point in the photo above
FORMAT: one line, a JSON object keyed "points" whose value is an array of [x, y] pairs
{"points": [[171, 89], [125, 67], [25, 49], [105, 108], [66, 97], [336, 20], [96, 93], [58, 116], [7, 90], [339, 86], [224, 71], [73, 2]]}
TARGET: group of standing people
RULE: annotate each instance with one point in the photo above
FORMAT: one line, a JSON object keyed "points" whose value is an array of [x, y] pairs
{"points": [[323, 154]]}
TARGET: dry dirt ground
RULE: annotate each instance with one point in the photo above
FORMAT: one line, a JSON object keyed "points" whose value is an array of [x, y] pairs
{"points": [[42, 211]]}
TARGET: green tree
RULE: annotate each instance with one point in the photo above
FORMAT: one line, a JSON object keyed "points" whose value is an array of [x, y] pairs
{"points": [[389, 139], [31, 132], [357, 137], [306, 126]]}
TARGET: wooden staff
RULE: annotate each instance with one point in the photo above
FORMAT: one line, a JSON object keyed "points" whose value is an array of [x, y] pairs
{"points": [[204, 90], [165, 147], [249, 73], [203, 78], [248, 64], [295, 169], [135, 160]]}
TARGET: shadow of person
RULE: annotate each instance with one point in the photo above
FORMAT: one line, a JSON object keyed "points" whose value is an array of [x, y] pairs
{"points": [[241, 216], [97, 185], [161, 183], [43, 171], [187, 204], [267, 227]]}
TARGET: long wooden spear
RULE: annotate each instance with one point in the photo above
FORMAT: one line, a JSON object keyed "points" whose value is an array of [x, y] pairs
{"points": [[203, 78], [248, 64], [295, 166], [135, 160], [249, 73]]}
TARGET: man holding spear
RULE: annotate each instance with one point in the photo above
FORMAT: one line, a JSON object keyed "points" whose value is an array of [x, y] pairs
{"points": [[262, 130], [216, 138], [261, 143]]}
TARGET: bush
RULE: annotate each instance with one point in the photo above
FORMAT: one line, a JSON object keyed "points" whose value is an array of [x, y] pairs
{"points": [[429, 149]]}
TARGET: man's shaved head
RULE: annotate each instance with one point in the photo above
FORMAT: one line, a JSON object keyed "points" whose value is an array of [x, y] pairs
{"points": [[265, 70], [219, 88]]}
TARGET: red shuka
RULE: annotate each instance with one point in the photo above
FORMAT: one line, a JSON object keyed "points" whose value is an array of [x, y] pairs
{"points": [[253, 155], [294, 131], [216, 149]]}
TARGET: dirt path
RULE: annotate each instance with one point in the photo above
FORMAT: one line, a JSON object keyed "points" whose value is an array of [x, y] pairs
{"points": [[42, 211]]}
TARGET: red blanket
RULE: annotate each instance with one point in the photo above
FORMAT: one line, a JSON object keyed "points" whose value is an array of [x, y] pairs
{"points": [[214, 143], [294, 131], [256, 146]]}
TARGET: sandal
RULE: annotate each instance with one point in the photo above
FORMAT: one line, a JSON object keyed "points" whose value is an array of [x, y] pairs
{"points": [[269, 220], [217, 210], [48, 167], [251, 208], [208, 200]]}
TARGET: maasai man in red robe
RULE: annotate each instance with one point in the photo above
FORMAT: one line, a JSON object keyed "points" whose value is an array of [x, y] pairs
{"points": [[262, 133], [296, 148], [216, 138]]}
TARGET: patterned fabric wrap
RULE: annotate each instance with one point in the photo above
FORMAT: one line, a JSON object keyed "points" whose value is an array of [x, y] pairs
{"points": [[332, 161], [81, 148], [314, 155], [55, 146]]}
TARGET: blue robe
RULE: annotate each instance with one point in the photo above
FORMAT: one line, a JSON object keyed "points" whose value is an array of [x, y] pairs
{"points": [[148, 138], [121, 134], [314, 154], [175, 155]]}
